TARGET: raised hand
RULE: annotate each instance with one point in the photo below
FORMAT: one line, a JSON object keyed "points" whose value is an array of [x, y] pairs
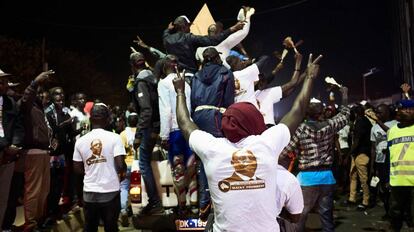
{"points": [[133, 49], [298, 61], [179, 82], [170, 26], [371, 114], [313, 66], [140, 42], [288, 43], [43, 76], [238, 26]]}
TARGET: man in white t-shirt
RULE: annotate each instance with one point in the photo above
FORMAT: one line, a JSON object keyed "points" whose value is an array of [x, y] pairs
{"points": [[289, 199], [240, 167], [266, 97], [232, 41], [379, 153], [181, 158], [99, 156]]}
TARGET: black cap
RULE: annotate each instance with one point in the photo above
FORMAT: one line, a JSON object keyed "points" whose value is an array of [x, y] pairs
{"points": [[100, 110]]}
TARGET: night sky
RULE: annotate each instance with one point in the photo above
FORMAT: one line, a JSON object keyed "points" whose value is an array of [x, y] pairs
{"points": [[352, 35]]}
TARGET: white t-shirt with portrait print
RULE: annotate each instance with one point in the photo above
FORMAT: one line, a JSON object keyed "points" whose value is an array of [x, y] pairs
{"points": [[242, 204], [265, 100], [100, 173], [244, 84], [289, 194]]}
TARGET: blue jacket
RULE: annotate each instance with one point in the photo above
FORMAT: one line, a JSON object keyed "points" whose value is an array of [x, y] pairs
{"points": [[213, 85]]}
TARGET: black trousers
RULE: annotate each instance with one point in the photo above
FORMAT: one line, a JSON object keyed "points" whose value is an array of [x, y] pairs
{"points": [[402, 206], [107, 211], [382, 190], [16, 191]]}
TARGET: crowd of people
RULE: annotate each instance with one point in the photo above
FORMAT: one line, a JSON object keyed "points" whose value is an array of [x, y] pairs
{"points": [[211, 107]]}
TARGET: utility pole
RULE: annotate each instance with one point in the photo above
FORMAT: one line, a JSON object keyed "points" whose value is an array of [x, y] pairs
{"points": [[364, 77], [44, 63]]}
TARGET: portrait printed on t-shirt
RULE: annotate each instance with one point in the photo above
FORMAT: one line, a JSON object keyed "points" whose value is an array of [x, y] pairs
{"points": [[237, 88], [96, 156], [244, 176]]}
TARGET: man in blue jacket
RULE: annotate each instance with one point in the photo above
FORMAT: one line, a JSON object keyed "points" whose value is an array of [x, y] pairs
{"points": [[212, 91]]}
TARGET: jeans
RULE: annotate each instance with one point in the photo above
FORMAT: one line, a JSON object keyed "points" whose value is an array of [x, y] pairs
{"points": [[322, 197], [145, 153], [203, 186], [107, 211], [124, 187], [401, 206]]}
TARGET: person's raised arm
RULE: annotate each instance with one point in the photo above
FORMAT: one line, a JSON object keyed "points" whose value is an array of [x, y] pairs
{"points": [[296, 79], [29, 94], [295, 116], [153, 51], [203, 41], [183, 116], [371, 114]]}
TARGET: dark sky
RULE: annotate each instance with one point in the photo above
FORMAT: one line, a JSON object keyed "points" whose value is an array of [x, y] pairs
{"points": [[352, 35]]}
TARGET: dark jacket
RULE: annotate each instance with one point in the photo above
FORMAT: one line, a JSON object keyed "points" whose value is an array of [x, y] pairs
{"points": [[12, 124], [184, 46], [36, 130], [63, 133], [146, 101], [213, 85], [362, 133]]}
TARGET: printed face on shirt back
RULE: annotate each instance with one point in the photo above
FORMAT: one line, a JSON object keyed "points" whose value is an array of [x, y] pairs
{"points": [[96, 156], [244, 162], [96, 147]]}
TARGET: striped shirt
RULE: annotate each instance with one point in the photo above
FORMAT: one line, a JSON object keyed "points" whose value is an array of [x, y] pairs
{"points": [[313, 141]]}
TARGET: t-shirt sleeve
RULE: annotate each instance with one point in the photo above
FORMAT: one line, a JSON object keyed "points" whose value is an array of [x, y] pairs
{"points": [[294, 201], [124, 139], [76, 154], [276, 137], [201, 143], [276, 94], [252, 73], [119, 148]]}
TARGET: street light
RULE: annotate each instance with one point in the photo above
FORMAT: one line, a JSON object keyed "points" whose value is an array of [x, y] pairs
{"points": [[364, 76]]}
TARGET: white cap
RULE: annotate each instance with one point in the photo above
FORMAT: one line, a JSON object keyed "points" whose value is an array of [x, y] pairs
{"points": [[185, 17], [314, 100], [3, 74]]}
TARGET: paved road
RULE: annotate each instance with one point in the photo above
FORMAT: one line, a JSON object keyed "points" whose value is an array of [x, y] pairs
{"points": [[346, 219]]}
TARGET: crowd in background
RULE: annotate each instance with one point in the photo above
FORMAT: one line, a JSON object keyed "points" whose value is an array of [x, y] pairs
{"points": [[52, 161]]}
